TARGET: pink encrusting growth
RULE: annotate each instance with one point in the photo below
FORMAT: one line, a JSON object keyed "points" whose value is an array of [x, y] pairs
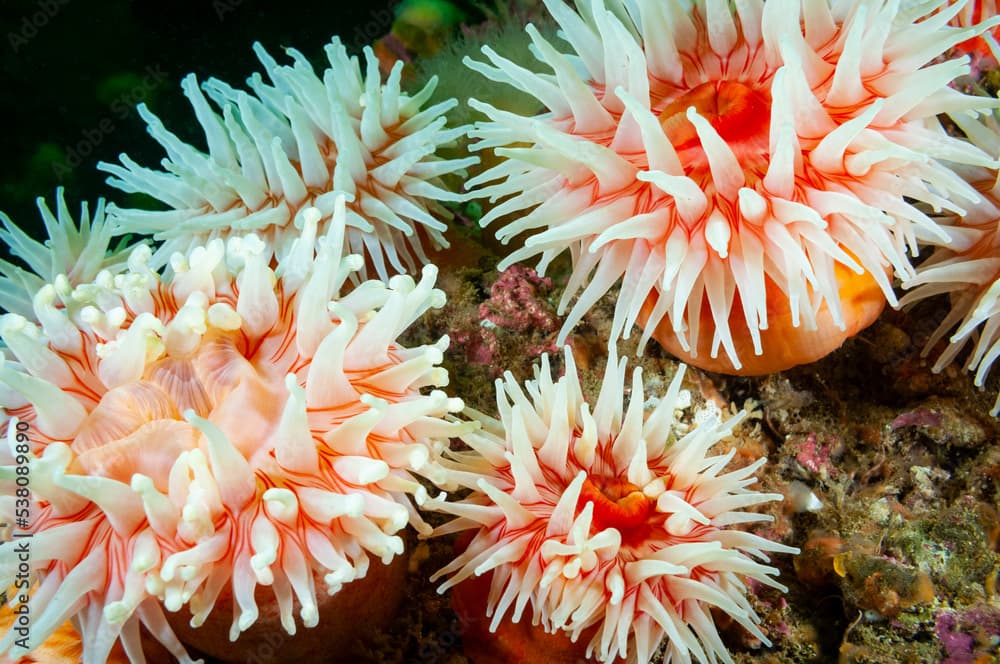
{"points": [[608, 518], [300, 141], [517, 304], [514, 302], [724, 159], [217, 428], [967, 267]]}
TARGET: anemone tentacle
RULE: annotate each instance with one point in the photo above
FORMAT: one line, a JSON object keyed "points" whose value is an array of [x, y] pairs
{"points": [[966, 266], [74, 253]]}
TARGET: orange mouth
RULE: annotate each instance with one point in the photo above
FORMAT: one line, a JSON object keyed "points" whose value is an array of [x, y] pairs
{"points": [[740, 113]]}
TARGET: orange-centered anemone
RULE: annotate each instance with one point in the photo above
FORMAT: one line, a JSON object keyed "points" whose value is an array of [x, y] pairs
{"points": [[610, 523], [226, 426], [751, 173], [299, 141]]}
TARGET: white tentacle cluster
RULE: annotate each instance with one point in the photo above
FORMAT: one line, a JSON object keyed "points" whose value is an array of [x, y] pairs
{"points": [[75, 252], [298, 141], [966, 265]]}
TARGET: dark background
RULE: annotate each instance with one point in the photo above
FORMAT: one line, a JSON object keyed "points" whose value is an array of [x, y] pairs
{"points": [[73, 70]]}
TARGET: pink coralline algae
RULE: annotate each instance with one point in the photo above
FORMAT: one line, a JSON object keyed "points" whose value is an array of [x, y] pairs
{"points": [[921, 417], [967, 636], [517, 303], [814, 455]]}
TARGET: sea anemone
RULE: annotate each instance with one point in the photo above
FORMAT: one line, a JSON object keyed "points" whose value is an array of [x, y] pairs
{"points": [[74, 253], [752, 177], [610, 520], [967, 267], [193, 435], [300, 142]]}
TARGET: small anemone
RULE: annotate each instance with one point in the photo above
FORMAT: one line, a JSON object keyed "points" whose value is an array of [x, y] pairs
{"points": [[596, 516], [298, 141]]}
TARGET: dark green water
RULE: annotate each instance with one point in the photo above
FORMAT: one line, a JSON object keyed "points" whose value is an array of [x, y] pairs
{"points": [[73, 70]]}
